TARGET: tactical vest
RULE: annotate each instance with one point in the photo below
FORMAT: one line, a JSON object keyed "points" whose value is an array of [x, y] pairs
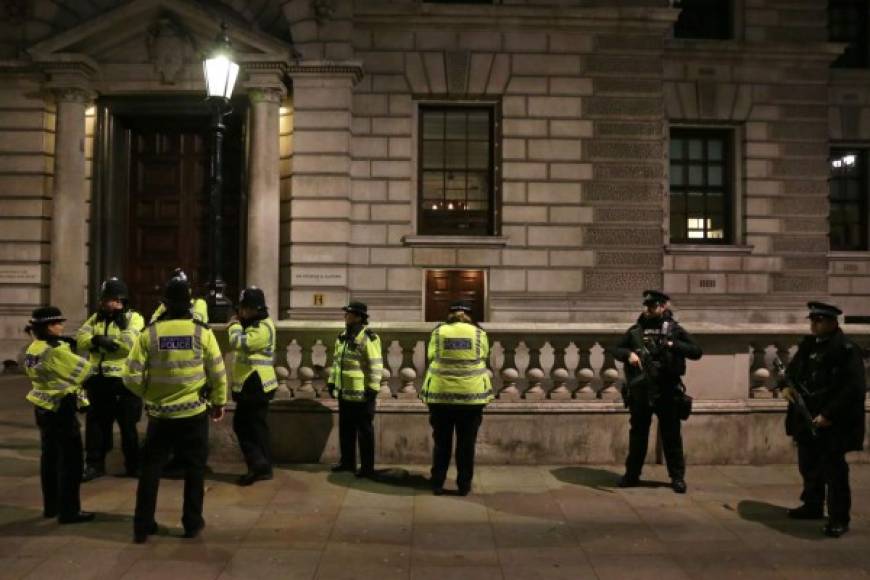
{"points": [[457, 371], [177, 368], [105, 362], [357, 365], [55, 371], [255, 353]]}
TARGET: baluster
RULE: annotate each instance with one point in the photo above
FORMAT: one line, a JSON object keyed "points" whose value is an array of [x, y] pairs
{"points": [[759, 374], [585, 376], [609, 376], [385, 392], [409, 379], [283, 392], [306, 384], [509, 390], [534, 373], [560, 373]]}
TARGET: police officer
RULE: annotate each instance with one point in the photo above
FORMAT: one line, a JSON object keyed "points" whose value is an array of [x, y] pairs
{"points": [[177, 369], [253, 380], [198, 306], [456, 389], [654, 351], [829, 370], [108, 336], [56, 374], [355, 379]]}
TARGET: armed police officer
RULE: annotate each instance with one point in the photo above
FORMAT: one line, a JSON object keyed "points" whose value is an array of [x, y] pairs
{"points": [[108, 336], [355, 379], [654, 351], [198, 306], [828, 373], [456, 389], [177, 369], [253, 380], [57, 374]]}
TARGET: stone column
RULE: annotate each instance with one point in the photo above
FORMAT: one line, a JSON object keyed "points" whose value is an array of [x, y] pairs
{"points": [[264, 196], [320, 230], [69, 214]]}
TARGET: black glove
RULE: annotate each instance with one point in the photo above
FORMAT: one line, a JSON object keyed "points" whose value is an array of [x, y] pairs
{"points": [[104, 342], [370, 395], [331, 388], [121, 320]]}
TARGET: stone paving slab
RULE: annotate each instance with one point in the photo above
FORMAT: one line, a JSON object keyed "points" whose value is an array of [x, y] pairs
{"points": [[521, 522]]}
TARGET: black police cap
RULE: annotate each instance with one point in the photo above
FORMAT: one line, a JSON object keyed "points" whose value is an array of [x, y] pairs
{"points": [[460, 306], [358, 308], [114, 288], [253, 297], [822, 309], [655, 297], [46, 315]]}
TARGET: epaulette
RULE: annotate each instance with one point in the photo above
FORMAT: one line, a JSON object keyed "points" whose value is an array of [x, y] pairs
{"points": [[370, 333], [200, 322]]}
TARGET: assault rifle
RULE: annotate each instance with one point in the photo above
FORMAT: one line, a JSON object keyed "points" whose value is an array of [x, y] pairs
{"points": [[796, 393]]}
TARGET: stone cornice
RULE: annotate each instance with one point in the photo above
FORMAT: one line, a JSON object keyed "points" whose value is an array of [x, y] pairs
{"points": [[743, 52], [321, 68]]}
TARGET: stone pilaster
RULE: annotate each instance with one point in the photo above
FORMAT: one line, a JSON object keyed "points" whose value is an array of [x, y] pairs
{"points": [[264, 195], [320, 228], [69, 215]]}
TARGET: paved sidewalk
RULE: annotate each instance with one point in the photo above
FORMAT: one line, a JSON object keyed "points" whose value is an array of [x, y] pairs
{"points": [[521, 523]]}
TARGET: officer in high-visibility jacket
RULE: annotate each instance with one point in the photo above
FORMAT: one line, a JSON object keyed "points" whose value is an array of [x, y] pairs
{"points": [[253, 381], [456, 389], [177, 369], [56, 374], [198, 306], [108, 336], [355, 380]]}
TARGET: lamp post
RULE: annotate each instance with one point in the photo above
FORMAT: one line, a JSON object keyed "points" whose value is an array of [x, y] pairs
{"points": [[220, 78]]}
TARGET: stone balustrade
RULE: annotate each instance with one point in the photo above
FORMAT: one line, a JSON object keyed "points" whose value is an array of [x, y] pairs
{"points": [[564, 363]]}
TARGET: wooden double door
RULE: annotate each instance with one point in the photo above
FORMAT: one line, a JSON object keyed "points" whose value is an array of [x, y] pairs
{"points": [[446, 286], [167, 220]]}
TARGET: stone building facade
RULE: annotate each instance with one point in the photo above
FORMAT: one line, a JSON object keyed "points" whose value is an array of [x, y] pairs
{"points": [[603, 155]]}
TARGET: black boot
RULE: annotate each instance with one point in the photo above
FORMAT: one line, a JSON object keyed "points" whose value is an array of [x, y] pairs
{"points": [[93, 472], [341, 467], [628, 480], [807, 512], [835, 529], [78, 518], [679, 485]]}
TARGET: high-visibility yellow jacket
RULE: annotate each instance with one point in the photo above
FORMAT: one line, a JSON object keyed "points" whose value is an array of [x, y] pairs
{"points": [[177, 368], [107, 362], [198, 307], [357, 363], [55, 371], [255, 351], [457, 372]]}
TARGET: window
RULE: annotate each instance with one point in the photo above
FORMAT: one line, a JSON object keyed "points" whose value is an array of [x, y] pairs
{"points": [[456, 175], [701, 187], [849, 193], [847, 22], [703, 19]]}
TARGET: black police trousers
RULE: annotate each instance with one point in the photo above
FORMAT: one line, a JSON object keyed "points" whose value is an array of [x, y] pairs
{"points": [[669, 427], [465, 421], [250, 424], [356, 424], [823, 467], [60, 466], [111, 401], [188, 438]]}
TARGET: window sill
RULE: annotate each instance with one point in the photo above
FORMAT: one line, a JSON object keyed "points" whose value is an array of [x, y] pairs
{"points": [[456, 241], [724, 249], [849, 255]]}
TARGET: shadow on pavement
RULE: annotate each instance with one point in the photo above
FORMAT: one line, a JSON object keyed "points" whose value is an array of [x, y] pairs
{"points": [[390, 481], [597, 478], [776, 518], [33, 524]]}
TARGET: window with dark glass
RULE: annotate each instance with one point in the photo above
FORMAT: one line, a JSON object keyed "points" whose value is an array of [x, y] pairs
{"points": [[849, 200], [847, 23], [456, 179], [703, 19], [701, 188]]}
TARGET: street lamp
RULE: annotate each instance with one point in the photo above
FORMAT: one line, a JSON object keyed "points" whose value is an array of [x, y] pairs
{"points": [[220, 77]]}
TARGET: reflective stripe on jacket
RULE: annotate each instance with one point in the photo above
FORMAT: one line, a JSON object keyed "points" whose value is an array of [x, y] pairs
{"points": [[357, 365], [55, 371], [255, 353], [106, 362], [177, 368], [457, 372]]}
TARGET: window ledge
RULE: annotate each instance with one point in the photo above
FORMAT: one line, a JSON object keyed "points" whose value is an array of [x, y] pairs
{"points": [[725, 249], [849, 255], [456, 241]]}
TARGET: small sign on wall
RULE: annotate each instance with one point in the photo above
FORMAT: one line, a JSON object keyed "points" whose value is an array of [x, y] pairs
{"points": [[22, 274], [318, 299]]}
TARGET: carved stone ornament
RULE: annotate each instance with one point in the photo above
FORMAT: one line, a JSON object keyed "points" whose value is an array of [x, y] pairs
{"points": [[322, 9], [169, 45]]}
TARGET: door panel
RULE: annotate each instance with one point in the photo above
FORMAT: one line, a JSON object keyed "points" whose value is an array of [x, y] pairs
{"points": [[446, 286]]}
